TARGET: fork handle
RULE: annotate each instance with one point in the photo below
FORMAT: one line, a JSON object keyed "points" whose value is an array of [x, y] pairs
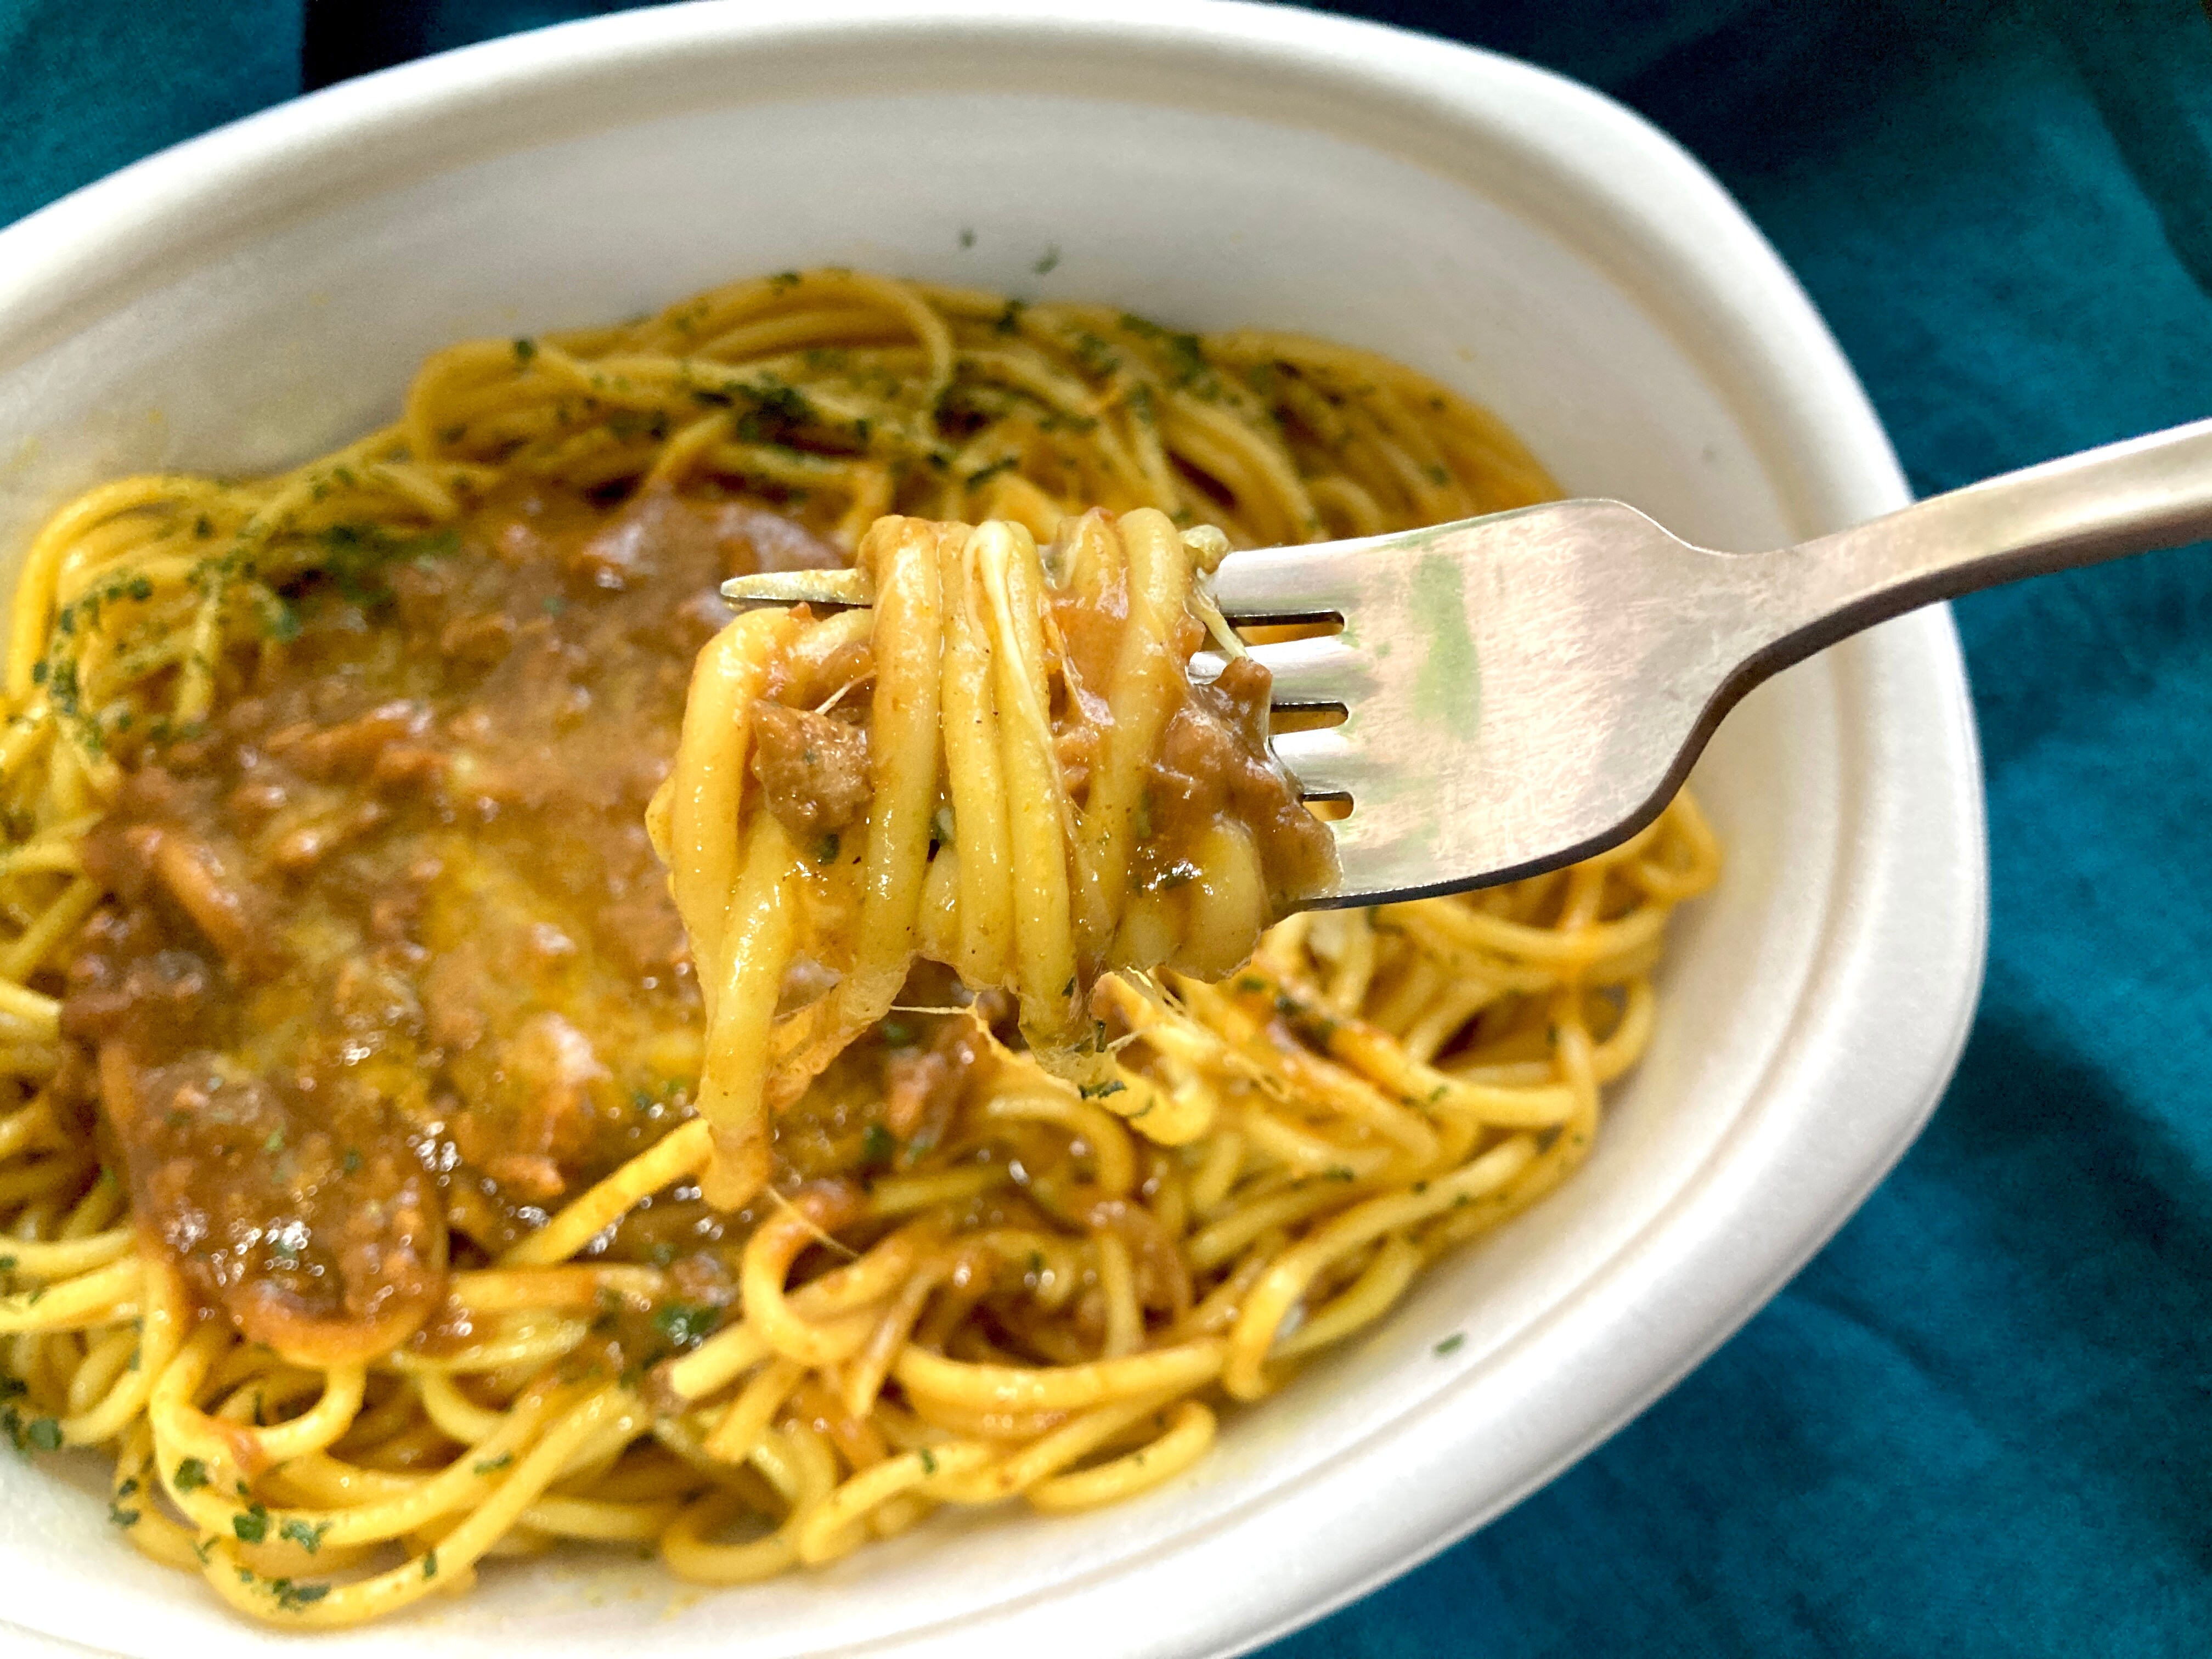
{"points": [[2131, 498]]}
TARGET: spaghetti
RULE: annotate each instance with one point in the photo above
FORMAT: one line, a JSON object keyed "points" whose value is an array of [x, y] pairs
{"points": [[1048, 796], [352, 1146]]}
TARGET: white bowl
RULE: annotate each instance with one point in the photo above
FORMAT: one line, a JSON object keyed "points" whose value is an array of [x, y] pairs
{"points": [[261, 293]]}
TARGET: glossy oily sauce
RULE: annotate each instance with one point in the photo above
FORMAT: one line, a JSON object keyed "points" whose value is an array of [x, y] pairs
{"points": [[390, 969]]}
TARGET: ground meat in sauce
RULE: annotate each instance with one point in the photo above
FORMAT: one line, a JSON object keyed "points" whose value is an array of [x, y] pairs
{"points": [[923, 1086], [813, 767], [389, 967], [1214, 762], [1213, 758]]}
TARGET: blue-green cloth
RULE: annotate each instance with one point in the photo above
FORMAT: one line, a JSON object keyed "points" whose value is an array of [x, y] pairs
{"points": [[1981, 1421]]}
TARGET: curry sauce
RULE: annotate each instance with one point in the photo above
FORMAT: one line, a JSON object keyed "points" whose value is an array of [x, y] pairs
{"points": [[389, 967]]}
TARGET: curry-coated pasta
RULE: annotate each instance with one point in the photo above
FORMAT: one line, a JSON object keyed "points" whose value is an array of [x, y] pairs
{"points": [[392, 1183]]}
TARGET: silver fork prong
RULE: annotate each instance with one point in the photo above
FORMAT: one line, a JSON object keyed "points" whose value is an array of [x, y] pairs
{"points": [[1316, 673], [1324, 762], [1313, 583], [1359, 837], [1323, 672]]}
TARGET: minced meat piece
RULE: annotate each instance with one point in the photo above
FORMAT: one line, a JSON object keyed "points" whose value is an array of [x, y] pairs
{"points": [[813, 768]]}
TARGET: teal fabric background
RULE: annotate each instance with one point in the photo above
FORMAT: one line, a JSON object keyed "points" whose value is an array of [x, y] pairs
{"points": [[1980, 1422]]}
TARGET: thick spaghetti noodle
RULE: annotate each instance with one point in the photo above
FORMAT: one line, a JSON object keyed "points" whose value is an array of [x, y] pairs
{"points": [[350, 1160], [1033, 792]]}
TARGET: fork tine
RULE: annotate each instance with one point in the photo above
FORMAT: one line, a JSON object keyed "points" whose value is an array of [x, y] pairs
{"points": [[1316, 673], [1323, 762], [1313, 583]]}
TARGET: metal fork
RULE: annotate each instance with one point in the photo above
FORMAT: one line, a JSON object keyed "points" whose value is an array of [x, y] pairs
{"points": [[1523, 690]]}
